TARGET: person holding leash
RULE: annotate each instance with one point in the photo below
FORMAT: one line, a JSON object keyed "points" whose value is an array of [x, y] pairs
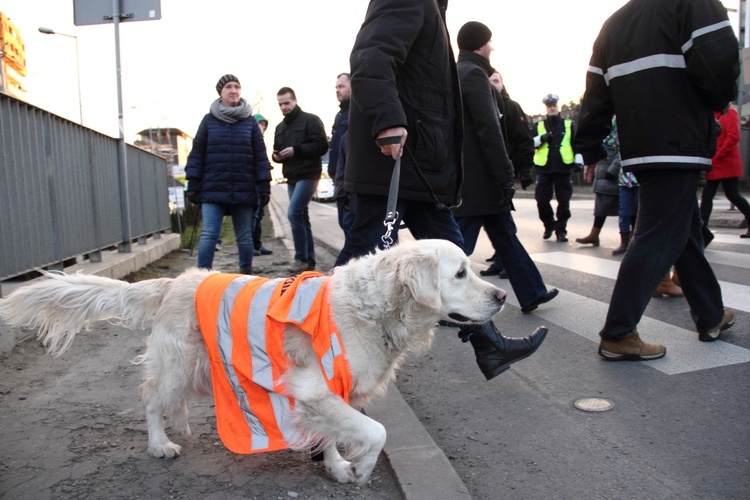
{"points": [[406, 103]]}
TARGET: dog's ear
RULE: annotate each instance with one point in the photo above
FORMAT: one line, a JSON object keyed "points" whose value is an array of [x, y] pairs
{"points": [[420, 273]]}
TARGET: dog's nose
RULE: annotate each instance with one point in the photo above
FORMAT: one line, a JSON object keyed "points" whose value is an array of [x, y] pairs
{"points": [[500, 296]]}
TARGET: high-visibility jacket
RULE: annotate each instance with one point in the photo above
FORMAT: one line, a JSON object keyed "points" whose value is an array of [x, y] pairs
{"points": [[242, 319], [566, 148]]}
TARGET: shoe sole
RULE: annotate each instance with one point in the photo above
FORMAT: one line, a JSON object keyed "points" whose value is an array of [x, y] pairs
{"points": [[610, 356], [542, 332], [707, 336]]}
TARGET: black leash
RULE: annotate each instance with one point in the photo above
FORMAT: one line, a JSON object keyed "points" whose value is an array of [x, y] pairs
{"points": [[391, 214]]}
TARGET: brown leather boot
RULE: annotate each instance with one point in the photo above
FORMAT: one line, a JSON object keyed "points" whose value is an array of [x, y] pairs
{"points": [[668, 288], [624, 242], [592, 238], [630, 348]]}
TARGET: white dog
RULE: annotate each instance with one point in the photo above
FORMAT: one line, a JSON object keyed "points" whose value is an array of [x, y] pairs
{"points": [[384, 306]]}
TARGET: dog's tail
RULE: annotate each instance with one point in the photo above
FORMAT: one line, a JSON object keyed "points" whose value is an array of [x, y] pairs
{"points": [[64, 305]]}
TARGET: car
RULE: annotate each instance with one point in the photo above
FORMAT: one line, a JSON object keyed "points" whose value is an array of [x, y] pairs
{"points": [[325, 186]]}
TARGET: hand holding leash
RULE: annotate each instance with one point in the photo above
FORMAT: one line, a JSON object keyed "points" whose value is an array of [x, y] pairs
{"points": [[391, 141]]}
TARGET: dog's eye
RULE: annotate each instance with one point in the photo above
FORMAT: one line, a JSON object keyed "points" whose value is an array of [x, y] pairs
{"points": [[461, 274]]}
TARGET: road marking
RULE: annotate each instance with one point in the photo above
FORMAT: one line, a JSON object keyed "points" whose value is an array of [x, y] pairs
{"points": [[685, 353], [735, 295]]}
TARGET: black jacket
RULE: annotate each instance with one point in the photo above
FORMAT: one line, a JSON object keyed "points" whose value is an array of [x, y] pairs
{"points": [[679, 63], [304, 132], [403, 73], [340, 126], [519, 141], [488, 172]]}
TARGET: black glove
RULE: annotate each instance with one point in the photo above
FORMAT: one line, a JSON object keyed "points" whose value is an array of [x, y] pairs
{"points": [[526, 181], [193, 197], [193, 193], [544, 138], [576, 168], [610, 177], [264, 198]]}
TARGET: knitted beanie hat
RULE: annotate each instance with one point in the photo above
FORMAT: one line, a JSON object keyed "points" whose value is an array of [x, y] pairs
{"points": [[473, 35], [224, 80]]}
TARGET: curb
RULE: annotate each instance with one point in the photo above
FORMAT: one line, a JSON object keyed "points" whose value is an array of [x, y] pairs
{"points": [[422, 470]]}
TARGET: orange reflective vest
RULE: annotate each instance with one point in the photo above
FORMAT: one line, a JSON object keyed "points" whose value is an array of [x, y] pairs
{"points": [[242, 320]]}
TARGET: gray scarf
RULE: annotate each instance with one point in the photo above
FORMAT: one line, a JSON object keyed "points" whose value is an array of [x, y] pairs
{"points": [[228, 114]]}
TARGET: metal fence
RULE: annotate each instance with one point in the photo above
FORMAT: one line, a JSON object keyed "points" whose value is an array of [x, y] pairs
{"points": [[60, 194]]}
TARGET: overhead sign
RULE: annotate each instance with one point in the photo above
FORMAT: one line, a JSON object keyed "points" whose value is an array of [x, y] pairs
{"points": [[86, 12]]}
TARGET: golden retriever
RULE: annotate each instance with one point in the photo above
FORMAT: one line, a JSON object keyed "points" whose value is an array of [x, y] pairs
{"points": [[385, 305]]}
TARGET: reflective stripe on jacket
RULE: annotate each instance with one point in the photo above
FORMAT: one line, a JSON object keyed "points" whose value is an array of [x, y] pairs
{"points": [[566, 148], [242, 319]]}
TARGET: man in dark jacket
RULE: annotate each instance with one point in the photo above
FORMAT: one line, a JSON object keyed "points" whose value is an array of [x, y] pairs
{"points": [[680, 64], [519, 142], [488, 173], [299, 142], [338, 143], [406, 99]]}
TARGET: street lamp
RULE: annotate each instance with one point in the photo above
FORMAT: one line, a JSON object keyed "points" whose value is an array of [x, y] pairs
{"points": [[48, 31]]}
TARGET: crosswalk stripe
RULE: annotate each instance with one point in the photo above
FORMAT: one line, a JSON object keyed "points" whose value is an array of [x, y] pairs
{"points": [[584, 316], [734, 295]]}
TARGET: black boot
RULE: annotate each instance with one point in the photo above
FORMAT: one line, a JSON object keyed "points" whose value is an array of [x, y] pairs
{"points": [[496, 353], [246, 270]]}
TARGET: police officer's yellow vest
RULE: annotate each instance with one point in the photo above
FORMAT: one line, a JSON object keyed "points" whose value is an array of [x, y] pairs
{"points": [[566, 148]]}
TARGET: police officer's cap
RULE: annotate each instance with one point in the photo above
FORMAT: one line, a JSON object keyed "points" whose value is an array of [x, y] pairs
{"points": [[550, 99]]}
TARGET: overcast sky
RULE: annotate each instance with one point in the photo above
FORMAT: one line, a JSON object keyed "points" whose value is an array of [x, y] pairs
{"points": [[170, 66]]}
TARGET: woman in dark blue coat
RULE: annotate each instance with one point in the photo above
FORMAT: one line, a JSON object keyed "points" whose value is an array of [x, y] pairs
{"points": [[228, 172]]}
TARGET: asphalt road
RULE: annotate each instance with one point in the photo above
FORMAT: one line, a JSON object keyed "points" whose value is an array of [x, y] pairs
{"points": [[678, 428]]}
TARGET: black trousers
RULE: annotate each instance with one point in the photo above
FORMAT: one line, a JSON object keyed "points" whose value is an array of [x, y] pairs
{"points": [[731, 191], [667, 232], [562, 187]]}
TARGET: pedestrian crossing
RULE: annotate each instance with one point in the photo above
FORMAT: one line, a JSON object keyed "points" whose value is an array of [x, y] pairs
{"points": [[585, 316], [735, 296]]}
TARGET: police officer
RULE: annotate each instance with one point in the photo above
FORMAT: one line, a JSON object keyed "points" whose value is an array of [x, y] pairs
{"points": [[555, 161]]}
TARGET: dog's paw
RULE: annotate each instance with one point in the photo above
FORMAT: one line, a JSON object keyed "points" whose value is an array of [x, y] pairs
{"points": [[341, 471], [167, 450]]}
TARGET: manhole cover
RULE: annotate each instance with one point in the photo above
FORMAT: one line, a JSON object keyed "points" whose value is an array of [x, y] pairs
{"points": [[594, 404]]}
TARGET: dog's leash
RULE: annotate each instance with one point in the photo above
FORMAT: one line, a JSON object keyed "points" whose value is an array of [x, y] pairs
{"points": [[391, 214]]}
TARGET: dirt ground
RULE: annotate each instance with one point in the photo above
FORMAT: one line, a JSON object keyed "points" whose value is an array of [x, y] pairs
{"points": [[74, 426]]}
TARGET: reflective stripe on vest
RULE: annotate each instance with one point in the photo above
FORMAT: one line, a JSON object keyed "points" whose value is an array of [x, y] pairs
{"points": [[566, 148], [242, 319]]}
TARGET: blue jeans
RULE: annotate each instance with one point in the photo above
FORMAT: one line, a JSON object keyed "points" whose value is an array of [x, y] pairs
{"points": [[300, 194], [346, 214], [628, 207], [668, 231], [523, 274], [243, 217], [423, 219]]}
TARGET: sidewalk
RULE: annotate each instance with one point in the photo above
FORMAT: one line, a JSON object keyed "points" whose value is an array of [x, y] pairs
{"points": [[74, 425]]}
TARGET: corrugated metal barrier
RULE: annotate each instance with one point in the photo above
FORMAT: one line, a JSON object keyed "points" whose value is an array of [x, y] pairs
{"points": [[60, 190]]}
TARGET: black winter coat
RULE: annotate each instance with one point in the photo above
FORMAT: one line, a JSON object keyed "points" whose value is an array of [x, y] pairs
{"points": [[306, 134], [488, 172], [228, 164], [403, 73], [519, 140], [662, 66], [340, 126]]}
